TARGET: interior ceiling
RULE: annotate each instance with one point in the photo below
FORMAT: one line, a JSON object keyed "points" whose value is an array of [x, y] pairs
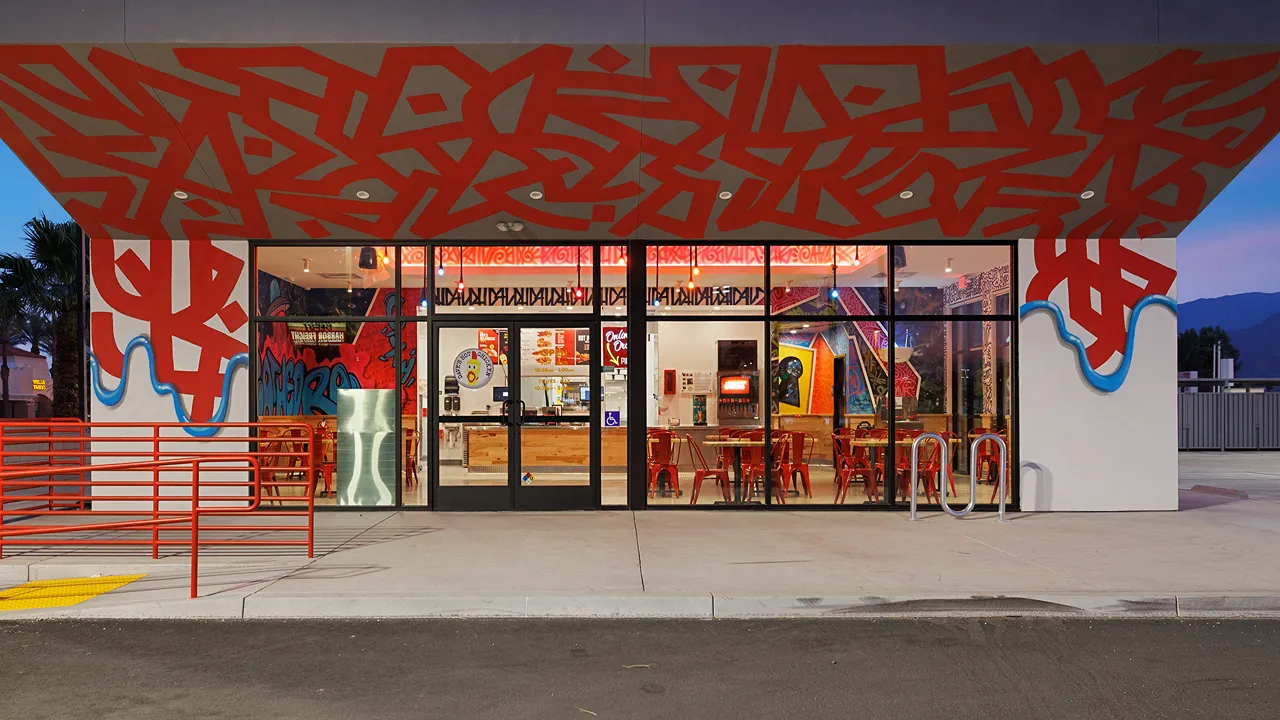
{"points": [[927, 266], [905, 143]]}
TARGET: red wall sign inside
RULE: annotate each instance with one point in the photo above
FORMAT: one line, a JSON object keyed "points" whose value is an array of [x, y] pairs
{"points": [[615, 346]]}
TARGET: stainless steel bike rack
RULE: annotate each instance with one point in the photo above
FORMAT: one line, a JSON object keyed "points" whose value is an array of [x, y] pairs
{"points": [[945, 462], [973, 471]]}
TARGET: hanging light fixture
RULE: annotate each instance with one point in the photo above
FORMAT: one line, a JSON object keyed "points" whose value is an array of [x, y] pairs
{"points": [[856, 259], [834, 292], [386, 256], [657, 275], [306, 265], [423, 301], [788, 289], [624, 258], [692, 251], [696, 270], [440, 257], [348, 286], [948, 269], [461, 285], [578, 292]]}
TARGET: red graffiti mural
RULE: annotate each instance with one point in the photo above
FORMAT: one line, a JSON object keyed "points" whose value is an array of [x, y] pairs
{"points": [[211, 276], [1100, 294], [809, 140]]}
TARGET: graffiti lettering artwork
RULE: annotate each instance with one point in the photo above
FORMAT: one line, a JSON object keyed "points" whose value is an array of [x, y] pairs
{"points": [[815, 140]]}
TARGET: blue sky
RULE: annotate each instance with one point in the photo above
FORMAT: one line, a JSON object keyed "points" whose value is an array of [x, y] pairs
{"points": [[1233, 247]]}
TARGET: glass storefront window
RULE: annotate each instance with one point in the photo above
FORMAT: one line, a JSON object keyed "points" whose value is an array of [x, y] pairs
{"points": [[955, 386], [704, 280], [340, 378], [705, 382], [818, 370], [502, 279], [950, 279], [816, 280], [830, 380], [350, 280]]}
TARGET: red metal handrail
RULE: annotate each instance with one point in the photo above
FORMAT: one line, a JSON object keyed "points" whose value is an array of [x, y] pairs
{"points": [[68, 454]]}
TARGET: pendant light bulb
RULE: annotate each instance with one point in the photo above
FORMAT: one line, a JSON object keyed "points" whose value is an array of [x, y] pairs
{"points": [[461, 285], [948, 269], [306, 265]]}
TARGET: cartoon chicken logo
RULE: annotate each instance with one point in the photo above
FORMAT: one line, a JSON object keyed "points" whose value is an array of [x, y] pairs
{"points": [[472, 368]]}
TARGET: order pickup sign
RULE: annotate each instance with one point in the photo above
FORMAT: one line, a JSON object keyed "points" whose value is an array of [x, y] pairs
{"points": [[615, 346]]}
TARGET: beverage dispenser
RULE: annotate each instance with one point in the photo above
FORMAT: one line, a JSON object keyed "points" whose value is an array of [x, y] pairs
{"points": [[737, 382]]}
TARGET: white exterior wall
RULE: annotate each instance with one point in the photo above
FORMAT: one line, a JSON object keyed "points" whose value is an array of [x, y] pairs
{"points": [[141, 403], [1082, 449]]}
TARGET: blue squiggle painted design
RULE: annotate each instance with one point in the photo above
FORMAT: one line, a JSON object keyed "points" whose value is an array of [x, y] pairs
{"points": [[1104, 383], [112, 397]]}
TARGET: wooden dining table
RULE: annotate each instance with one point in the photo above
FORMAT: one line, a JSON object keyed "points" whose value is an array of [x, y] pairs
{"points": [[736, 444]]}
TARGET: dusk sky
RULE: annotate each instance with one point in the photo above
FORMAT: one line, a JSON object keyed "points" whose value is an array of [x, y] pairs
{"points": [[1233, 247]]}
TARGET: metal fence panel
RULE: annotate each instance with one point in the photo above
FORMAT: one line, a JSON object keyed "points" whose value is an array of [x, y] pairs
{"points": [[1229, 421]]}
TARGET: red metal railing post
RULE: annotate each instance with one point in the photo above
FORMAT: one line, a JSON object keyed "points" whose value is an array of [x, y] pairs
{"points": [[155, 494], [312, 478], [195, 527], [3, 496]]}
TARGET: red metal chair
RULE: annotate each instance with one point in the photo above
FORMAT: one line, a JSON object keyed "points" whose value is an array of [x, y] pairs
{"points": [[799, 455], [320, 462], [851, 462], [930, 467], [702, 471], [664, 456], [411, 440], [776, 476], [988, 454], [995, 476]]}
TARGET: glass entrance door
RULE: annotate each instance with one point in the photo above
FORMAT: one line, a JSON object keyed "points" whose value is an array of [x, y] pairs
{"points": [[513, 408]]}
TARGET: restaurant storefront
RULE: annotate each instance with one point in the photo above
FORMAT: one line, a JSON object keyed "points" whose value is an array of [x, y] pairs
{"points": [[633, 254], [507, 376]]}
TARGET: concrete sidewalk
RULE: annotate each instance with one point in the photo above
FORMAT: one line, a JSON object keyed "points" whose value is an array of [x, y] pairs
{"points": [[1217, 557]]}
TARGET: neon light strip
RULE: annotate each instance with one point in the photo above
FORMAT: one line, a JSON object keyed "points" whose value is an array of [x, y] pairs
{"points": [[1103, 383], [112, 398]]}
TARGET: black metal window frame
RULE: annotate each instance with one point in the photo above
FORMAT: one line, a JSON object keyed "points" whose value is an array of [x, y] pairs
{"points": [[637, 318]]}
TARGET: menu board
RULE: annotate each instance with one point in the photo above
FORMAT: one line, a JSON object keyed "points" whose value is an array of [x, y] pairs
{"points": [[615, 346], [555, 352], [495, 343]]}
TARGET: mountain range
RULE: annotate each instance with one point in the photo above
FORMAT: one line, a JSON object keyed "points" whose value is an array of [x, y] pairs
{"points": [[1251, 319]]}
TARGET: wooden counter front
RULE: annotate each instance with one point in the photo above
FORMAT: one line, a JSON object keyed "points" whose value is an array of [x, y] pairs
{"points": [[544, 446]]}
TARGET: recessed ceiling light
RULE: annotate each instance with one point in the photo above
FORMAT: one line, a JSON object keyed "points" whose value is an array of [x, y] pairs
{"points": [[806, 325], [535, 194], [1086, 194], [362, 194], [516, 227], [906, 194], [180, 195], [725, 194]]}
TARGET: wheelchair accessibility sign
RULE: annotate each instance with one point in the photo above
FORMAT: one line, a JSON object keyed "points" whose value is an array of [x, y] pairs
{"points": [[613, 418]]}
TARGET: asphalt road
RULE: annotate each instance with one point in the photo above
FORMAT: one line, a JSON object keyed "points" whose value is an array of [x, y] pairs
{"points": [[848, 669]]}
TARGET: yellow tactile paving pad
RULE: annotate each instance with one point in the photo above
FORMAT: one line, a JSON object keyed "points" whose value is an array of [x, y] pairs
{"points": [[61, 593]]}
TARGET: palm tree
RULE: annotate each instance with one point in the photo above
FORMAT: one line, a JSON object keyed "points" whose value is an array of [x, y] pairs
{"points": [[47, 281], [37, 333]]}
